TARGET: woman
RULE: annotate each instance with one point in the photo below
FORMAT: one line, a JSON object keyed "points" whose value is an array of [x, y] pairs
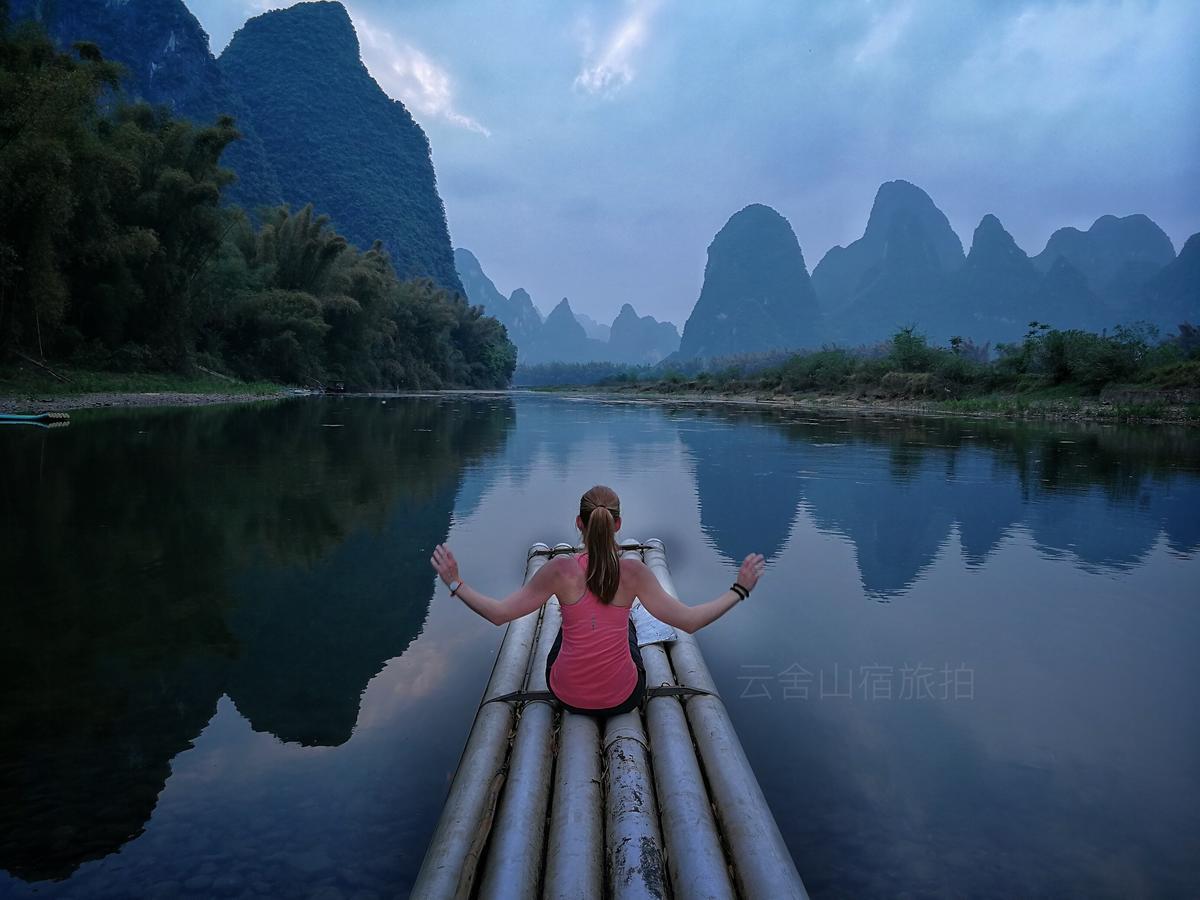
{"points": [[595, 666]]}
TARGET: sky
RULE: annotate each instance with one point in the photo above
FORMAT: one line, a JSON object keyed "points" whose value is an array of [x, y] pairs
{"points": [[592, 150]]}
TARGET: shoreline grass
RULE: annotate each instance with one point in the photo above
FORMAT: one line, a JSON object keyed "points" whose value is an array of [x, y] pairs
{"points": [[28, 383], [1053, 404]]}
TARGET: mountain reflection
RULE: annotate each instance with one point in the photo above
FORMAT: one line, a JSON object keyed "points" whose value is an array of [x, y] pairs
{"points": [[278, 554], [897, 487], [254, 551], [749, 481]]}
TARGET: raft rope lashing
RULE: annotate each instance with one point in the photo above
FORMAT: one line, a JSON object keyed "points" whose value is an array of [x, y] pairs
{"points": [[664, 690], [559, 551]]}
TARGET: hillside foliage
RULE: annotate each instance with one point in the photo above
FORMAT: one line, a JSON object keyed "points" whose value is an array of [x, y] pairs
{"points": [[117, 253], [1079, 362]]}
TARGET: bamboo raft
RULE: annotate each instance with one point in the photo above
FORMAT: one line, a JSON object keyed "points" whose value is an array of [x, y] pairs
{"points": [[657, 803]]}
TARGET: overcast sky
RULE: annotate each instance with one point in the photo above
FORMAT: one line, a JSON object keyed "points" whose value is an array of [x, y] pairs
{"points": [[593, 150]]}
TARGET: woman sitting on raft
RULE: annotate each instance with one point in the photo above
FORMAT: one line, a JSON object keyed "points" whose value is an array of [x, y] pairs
{"points": [[595, 666]]}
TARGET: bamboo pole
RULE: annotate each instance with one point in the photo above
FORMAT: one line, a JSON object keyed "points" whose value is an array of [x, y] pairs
{"points": [[449, 867], [633, 842], [694, 856], [514, 857], [695, 859], [763, 866], [575, 854]]}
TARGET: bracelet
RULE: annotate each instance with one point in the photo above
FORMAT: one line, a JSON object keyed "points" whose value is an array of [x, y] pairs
{"points": [[741, 590], [455, 587]]}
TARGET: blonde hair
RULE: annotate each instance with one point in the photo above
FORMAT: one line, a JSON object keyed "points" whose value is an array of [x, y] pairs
{"points": [[599, 508]]}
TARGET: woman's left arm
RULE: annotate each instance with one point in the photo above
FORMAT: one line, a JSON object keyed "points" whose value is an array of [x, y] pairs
{"points": [[521, 602]]}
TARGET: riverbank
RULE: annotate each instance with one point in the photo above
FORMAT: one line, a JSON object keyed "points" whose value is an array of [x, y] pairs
{"points": [[24, 390], [1116, 405]]}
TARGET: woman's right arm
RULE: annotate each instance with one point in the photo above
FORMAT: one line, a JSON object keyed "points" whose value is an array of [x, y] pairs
{"points": [[691, 619]]}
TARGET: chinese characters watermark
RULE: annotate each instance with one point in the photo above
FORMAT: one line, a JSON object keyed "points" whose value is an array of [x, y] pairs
{"points": [[869, 682]]}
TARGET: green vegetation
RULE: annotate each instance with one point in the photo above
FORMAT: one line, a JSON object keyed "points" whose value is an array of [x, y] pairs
{"points": [[1128, 374], [336, 139], [564, 374], [117, 255], [25, 381]]}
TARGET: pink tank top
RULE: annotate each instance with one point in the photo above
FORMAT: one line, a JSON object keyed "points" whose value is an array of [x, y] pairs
{"points": [[593, 669]]}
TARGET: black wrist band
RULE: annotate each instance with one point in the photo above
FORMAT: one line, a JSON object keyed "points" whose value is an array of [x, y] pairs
{"points": [[740, 590]]}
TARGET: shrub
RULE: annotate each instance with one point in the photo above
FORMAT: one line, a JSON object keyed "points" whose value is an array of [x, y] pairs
{"points": [[910, 352]]}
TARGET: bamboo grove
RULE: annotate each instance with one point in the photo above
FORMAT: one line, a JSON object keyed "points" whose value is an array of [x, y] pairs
{"points": [[116, 251]]}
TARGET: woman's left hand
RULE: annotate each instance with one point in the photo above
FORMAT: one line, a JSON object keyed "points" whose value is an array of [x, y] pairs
{"points": [[751, 570], [445, 563]]}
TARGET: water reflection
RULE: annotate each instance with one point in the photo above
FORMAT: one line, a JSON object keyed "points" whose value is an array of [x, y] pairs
{"points": [[749, 480], [277, 557], [161, 559], [896, 488]]}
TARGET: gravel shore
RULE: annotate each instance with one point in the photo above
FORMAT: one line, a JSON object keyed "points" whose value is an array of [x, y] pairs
{"points": [[102, 400]]}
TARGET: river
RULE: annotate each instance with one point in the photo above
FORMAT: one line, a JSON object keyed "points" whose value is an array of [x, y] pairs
{"points": [[228, 669]]}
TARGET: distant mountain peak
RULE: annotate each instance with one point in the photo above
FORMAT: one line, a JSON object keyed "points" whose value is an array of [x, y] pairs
{"points": [[641, 339], [516, 312], [595, 330], [897, 198], [902, 215], [991, 240], [1116, 255], [520, 297], [756, 294], [467, 256], [990, 223], [332, 17]]}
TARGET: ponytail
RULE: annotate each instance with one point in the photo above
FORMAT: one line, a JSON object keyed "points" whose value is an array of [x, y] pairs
{"points": [[598, 509]]}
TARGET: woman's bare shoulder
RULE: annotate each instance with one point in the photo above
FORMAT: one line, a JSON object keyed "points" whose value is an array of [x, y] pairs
{"points": [[561, 565], [632, 566]]}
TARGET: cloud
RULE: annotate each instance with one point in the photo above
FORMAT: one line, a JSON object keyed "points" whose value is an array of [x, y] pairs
{"points": [[403, 71], [1094, 72], [407, 74], [607, 72], [884, 34]]}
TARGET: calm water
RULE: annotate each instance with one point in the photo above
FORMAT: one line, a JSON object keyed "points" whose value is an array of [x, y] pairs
{"points": [[971, 666]]}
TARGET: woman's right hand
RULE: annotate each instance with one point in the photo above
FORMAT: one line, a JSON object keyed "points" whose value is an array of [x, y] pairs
{"points": [[751, 570], [445, 563]]}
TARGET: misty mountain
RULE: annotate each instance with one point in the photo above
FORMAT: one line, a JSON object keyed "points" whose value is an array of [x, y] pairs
{"points": [[999, 291], [516, 313], [168, 61], [839, 275], [562, 339], [908, 269], [565, 335], [337, 140], [597, 330], [640, 340], [756, 294], [995, 292], [1172, 296], [528, 317], [895, 274], [1114, 255]]}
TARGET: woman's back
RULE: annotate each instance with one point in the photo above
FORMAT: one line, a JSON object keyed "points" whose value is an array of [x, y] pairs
{"points": [[594, 668]]}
